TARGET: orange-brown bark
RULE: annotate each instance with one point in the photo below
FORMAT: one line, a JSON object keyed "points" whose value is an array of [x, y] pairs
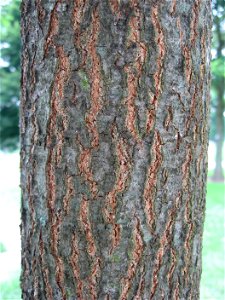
{"points": [[135, 260], [151, 113], [74, 259], [151, 180], [134, 71], [122, 176]]}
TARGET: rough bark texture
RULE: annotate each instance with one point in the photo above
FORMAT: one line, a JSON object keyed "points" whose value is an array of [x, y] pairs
{"points": [[114, 134]]}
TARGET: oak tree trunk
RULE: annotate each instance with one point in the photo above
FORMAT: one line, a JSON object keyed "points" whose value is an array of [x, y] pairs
{"points": [[114, 135]]}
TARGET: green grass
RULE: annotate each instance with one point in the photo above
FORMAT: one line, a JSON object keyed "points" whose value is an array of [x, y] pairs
{"points": [[10, 290], [212, 282], [2, 248]]}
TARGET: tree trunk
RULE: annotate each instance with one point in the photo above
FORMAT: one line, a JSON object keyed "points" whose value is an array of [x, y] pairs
{"points": [[220, 88], [114, 135], [218, 172]]}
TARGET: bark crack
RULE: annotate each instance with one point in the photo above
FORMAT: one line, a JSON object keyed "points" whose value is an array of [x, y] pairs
{"points": [[53, 28], [134, 72], [96, 104], [164, 243], [45, 270], [57, 109], [159, 39], [122, 176], [74, 259], [136, 257], [151, 180], [96, 82], [91, 247], [55, 230]]}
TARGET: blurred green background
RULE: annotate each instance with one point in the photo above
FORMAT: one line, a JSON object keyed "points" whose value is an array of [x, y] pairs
{"points": [[212, 282]]}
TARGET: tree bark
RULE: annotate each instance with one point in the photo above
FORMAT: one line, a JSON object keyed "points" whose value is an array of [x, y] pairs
{"points": [[114, 135]]}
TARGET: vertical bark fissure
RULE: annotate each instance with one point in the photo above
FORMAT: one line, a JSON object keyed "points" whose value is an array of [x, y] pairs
{"points": [[134, 71], [91, 248], [53, 28], [115, 6], [74, 259], [137, 252], [159, 39], [151, 180], [54, 142], [96, 82], [189, 223], [164, 243], [194, 22], [122, 176], [96, 96], [45, 270]]}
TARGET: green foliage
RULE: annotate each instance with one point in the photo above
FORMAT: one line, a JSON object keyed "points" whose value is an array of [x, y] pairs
{"points": [[217, 68], [217, 63], [2, 248], [10, 289], [10, 74]]}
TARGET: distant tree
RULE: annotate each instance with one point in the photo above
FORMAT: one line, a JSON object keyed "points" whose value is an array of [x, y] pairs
{"points": [[10, 75], [218, 86]]}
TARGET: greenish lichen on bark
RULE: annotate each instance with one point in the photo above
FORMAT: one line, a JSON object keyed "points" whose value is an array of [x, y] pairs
{"points": [[114, 133]]}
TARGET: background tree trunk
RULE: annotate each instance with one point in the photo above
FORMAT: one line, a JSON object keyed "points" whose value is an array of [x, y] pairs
{"points": [[114, 135], [218, 171], [220, 89]]}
